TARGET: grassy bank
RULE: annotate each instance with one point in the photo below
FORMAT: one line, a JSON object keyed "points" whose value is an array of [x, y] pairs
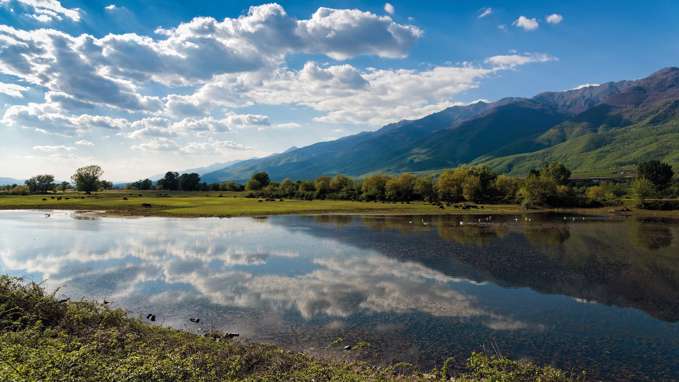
{"points": [[45, 339], [227, 204], [190, 204]]}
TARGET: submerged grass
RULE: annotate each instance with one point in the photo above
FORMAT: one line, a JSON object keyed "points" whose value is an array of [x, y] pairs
{"points": [[44, 339]]}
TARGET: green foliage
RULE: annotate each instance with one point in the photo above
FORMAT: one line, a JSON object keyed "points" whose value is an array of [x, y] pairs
{"points": [[659, 173], [40, 184], [374, 187], [189, 182], [45, 340], [400, 188], [86, 178], [642, 189], [170, 181], [143, 184], [258, 181], [556, 171], [537, 191]]}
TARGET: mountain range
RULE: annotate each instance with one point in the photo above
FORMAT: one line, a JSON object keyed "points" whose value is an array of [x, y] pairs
{"points": [[595, 130]]}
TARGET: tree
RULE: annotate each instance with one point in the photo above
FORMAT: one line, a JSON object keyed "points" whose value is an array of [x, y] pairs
{"points": [[659, 173], [170, 181], [189, 182], [40, 184], [449, 185], [642, 189], [322, 185], [340, 183], [258, 181], [424, 188], [105, 184], [556, 171], [537, 191], [63, 186], [401, 188], [374, 187], [506, 188], [86, 178], [288, 187]]}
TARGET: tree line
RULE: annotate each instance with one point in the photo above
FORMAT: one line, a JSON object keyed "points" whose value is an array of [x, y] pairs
{"points": [[550, 185]]}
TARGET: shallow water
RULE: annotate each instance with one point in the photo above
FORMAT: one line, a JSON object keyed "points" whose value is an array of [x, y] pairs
{"points": [[600, 294]]}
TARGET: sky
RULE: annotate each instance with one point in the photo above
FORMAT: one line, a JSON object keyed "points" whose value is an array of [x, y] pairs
{"points": [[143, 87]]}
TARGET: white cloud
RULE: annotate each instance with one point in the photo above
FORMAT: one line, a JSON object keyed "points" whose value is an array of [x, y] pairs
{"points": [[510, 61], [47, 10], [84, 142], [347, 95], [554, 18], [191, 148], [389, 9], [111, 7], [485, 12], [13, 90], [53, 149], [526, 24]]}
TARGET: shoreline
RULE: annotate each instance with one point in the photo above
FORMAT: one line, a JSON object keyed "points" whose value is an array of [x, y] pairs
{"points": [[190, 206]]}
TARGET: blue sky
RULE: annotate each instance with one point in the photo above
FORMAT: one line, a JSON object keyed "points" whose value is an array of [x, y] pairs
{"points": [[145, 87]]}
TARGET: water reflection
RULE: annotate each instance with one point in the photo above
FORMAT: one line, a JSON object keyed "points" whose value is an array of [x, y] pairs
{"points": [[418, 289]]}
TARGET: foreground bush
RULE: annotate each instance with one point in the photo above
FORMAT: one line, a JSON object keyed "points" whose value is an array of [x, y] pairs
{"points": [[43, 339]]}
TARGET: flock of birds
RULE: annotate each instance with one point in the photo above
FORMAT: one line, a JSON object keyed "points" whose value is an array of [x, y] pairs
{"points": [[490, 218]]}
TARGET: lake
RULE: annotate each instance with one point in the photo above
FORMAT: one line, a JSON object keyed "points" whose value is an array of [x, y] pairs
{"points": [[578, 292]]}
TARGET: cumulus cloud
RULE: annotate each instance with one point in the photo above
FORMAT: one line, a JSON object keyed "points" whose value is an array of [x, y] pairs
{"points": [[47, 118], [389, 8], [525, 23], [554, 18], [46, 10], [347, 95], [484, 12]]}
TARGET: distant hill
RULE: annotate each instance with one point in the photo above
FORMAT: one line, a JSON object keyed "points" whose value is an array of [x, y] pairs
{"points": [[10, 181], [595, 130]]}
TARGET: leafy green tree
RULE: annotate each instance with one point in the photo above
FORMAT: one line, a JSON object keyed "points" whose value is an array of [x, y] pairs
{"points": [[288, 187], [556, 171], [659, 173], [143, 184], [506, 188], [373, 187], [449, 185], [105, 185], [170, 181], [642, 189], [307, 186], [86, 178], [401, 188], [537, 191], [260, 180], [63, 186], [340, 183], [189, 182], [40, 184], [322, 185], [424, 188]]}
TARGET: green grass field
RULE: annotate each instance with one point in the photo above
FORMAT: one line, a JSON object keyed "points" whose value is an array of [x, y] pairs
{"points": [[231, 204], [211, 204]]}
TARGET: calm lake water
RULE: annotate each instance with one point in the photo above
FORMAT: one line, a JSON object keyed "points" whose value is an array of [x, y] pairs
{"points": [[600, 294]]}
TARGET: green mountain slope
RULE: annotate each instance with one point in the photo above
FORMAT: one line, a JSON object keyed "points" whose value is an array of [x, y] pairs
{"points": [[598, 130]]}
